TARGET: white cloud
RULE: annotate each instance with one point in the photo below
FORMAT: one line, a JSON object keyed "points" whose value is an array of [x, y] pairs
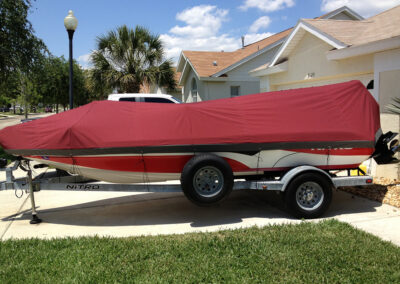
{"points": [[253, 37], [262, 22], [267, 5], [366, 8], [200, 21], [84, 60], [175, 44], [200, 32]]}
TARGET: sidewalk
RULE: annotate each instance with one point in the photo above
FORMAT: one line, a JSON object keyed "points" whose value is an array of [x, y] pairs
{"points": [[70, 214]]}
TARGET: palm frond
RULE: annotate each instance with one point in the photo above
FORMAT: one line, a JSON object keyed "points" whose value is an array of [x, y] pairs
{"points": [[127, 58], [394, 107]]}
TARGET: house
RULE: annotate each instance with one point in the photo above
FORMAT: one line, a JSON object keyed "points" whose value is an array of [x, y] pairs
{"points": [[323, 51], [207, 75]]}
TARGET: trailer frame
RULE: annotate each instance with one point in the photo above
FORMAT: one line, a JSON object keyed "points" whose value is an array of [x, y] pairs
{"points": [[48, 181]]}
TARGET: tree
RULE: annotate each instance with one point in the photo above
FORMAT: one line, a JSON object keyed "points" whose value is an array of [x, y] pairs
{"points": [[126, 59], [54, 83], [21, 52], [20, 49]]}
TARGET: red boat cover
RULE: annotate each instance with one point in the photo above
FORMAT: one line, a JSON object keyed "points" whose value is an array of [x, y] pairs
{"points": [[339, 112]]}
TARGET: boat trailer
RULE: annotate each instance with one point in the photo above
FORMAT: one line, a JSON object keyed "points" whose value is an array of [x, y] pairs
{"points": [[54, 181]]}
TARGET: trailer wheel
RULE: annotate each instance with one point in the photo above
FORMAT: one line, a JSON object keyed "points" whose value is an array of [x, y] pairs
{"points": [[308, 195], [206, 179]]}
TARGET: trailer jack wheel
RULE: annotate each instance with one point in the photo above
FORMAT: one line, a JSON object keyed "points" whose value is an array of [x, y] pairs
{"points": [[308, 195], [206, 179], [35, 219]]}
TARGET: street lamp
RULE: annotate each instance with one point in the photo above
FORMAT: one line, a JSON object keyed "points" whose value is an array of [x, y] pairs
{"points": [[70, 23]]}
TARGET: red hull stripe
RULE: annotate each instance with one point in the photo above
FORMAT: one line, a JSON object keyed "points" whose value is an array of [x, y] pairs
{"points": [[338, 151], [154, 164], [330, 167]]}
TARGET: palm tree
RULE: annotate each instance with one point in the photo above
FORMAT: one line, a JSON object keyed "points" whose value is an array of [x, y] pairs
{"points": [[127, 59], [394, 107]]}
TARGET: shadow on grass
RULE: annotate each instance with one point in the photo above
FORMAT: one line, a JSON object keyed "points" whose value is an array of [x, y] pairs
{"points": [[174, 208]]}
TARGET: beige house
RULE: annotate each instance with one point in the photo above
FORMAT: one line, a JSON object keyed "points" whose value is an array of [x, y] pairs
{"points": [[207, 75], [323, 51]]}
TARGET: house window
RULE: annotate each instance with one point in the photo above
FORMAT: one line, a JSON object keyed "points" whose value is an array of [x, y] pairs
{"points": [[235, 91], [194, 90]]}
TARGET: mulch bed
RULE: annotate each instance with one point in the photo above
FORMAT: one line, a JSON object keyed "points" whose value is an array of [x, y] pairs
{"points": [[383, 190]]}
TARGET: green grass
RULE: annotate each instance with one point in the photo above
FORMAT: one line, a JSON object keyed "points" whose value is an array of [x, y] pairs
{"points": [[327, 252], [8, 113]]}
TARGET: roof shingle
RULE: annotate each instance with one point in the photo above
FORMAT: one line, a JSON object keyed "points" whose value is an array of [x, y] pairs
{"points": [[202, 61], [382, 26]]}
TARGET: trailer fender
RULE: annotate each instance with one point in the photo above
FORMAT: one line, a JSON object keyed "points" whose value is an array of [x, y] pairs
{"points": [[287, 178]]}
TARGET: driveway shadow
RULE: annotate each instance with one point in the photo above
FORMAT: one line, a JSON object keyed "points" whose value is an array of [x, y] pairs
{"points": [[157, 209], [174, 208]]}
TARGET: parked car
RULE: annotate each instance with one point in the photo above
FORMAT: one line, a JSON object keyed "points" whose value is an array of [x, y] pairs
{"points": [[146, 98], [4, 109], [48, 109], [19, 109]]}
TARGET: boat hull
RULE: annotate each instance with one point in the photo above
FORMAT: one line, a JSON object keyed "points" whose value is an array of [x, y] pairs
{"points": [[154, 167]]}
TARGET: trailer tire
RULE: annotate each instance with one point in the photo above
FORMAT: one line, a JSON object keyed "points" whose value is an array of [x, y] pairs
{"points": [[206, 179], [308, 195]]}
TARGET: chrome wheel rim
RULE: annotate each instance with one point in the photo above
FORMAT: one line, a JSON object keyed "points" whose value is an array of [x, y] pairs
{"points": [[208, 181], [309, 196]]}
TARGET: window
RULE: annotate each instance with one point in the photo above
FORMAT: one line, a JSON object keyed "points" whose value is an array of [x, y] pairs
{"points": [[131, 99], [235, 91], [157, 100], [194, 90]]}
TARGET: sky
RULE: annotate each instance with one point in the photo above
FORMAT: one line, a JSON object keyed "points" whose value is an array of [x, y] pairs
{"points": [[181, 24]]}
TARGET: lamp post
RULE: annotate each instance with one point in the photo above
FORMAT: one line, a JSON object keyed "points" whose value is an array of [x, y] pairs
{"points": [[70, 23]]}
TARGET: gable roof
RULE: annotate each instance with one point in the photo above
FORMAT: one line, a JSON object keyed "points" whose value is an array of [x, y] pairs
{"points": [[344, 33], [381, 26], [203, 61], [216, 64], [344, 9]]}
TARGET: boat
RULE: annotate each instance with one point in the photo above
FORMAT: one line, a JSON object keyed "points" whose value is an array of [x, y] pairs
{"points": [[330, 127]]}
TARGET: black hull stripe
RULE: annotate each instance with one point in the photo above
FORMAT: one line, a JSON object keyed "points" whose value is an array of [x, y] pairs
{"points": [[245, 148]]}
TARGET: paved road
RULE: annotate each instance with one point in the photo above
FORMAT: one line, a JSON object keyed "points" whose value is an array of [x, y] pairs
{"points": [[12, 120]]}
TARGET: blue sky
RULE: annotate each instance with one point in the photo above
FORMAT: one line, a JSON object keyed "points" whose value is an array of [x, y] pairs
{"points": [[182, 24]]}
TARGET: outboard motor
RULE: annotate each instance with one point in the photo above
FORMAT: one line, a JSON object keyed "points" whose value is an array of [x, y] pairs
{"points": [[384, 151]]}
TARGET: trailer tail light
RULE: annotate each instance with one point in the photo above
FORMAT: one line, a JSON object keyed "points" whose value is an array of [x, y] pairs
{"points": [[369, 180]]}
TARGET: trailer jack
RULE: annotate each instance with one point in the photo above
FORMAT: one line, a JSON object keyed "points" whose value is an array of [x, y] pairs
{"points": [[35, 219]]}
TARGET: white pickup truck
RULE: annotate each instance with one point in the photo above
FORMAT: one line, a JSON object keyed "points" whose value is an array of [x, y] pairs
{"points": [[146, 98]]}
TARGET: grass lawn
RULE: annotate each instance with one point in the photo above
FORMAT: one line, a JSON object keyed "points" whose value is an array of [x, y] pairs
{"points": [[329, 251], [11, 113]]}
